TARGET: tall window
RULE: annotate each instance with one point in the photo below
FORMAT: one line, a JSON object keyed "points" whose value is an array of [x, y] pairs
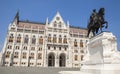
{"points": [[48, 47], [40, 49], [54, 39], [9, 47], [55, 24], [41, 40], [65, 39], [81, 43], [82, 57], [76, 57], [32, 56], [75, 43], [49, 38], [60, 39], [54, 48], [39, 55], [25, 47], [26, 39], [19, 38], [33, 40], [65, 48], [60, 24], [59, 48], [16, 55], [7, 54], [17, 47], [24, 55], [11, 37]]}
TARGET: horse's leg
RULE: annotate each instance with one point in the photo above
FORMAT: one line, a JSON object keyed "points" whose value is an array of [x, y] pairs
{"points": [[93, 31], [88, 32], [97, 30], [100, 26]]}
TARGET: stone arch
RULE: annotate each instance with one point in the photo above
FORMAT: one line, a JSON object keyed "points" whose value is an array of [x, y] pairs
{"points": [[51, 60], [62, 60]]}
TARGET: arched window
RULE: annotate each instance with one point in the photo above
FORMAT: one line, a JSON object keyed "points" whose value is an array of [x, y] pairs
{"points": [[33, 40], [26, 39], [81, 43], [19, 38], [75, 43], [41, 40], [60, 39], [51, 59], [11, 37], [65, 39]]}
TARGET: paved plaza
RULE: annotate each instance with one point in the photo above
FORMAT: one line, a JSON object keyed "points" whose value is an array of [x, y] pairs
{"points": [[34, 70]]}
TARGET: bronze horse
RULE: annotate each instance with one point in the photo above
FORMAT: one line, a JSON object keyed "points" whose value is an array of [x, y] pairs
{"points": [[97, 23]]}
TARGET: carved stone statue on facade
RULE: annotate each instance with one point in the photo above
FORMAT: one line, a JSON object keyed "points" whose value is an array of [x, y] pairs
{"points": [[96, 22]]}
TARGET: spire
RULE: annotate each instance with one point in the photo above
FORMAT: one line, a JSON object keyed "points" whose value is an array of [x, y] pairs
{"points": [[47, 21], [16, 18], [17, 14], [58, 13], [68, 23]]}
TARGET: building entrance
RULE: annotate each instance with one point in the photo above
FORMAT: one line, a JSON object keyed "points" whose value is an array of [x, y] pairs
{"points": [[51, 60], [62, 60]]}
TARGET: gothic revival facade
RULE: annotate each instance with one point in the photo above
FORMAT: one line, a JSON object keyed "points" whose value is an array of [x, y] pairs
{"points": [[49, 44]]}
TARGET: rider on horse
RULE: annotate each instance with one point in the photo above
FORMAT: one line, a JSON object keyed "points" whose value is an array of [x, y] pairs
{"points": [[93, 16], [96, 21]]}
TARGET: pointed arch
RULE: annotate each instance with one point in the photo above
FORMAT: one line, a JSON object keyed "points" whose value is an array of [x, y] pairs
{"points": [[51, 60], [62, 60]]}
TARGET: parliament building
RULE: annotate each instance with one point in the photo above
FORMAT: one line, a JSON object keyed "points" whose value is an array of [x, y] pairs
{"points": [[49, 44]]}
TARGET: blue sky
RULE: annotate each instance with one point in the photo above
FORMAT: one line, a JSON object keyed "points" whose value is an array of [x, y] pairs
{"points": [[76, 11]]}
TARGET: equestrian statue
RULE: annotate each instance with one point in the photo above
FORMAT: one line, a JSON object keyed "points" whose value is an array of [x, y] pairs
{"points": [[96, 22]]}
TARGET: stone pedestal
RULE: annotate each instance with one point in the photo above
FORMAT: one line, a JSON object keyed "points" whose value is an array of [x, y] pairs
{"points": [[101, 49]]}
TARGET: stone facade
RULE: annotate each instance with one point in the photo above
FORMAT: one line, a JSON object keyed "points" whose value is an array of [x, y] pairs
{"points": [[49, 44]]}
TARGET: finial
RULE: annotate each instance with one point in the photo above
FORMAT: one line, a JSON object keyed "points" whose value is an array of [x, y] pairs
{"points": [[47, 21]]}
